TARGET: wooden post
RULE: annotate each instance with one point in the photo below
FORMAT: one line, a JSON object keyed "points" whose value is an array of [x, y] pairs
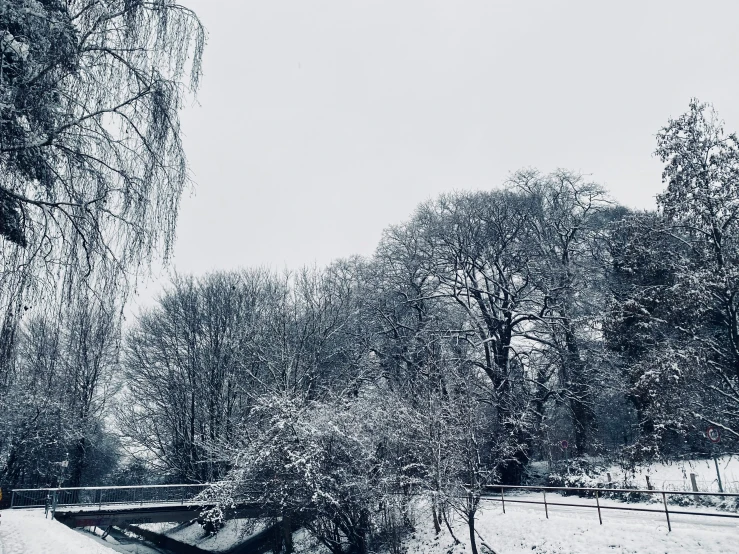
{"points": [[695, 487], [649, 485], [502, 498], [546, 508], [610, 481], [597, 501], [718, 476]]}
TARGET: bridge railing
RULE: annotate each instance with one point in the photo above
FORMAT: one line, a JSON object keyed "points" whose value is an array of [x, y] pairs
{"points": [[100, 496]]}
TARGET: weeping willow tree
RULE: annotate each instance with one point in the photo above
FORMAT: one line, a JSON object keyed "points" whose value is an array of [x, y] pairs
{"points": [[91, 160], [92, 169]]}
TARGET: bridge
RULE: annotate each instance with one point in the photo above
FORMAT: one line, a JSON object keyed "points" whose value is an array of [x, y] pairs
{"points": [[127, 505]]}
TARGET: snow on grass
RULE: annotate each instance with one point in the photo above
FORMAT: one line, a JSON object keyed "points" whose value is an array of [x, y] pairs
{"points": [[525, 528], [234, 532], [676, 475], [569, 530], [28, 532], [673, 476]]}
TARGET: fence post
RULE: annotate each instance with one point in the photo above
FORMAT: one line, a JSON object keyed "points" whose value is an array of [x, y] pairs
{"points": [[610, 481], [502, 498], [12, 499], [695, 487], [649, 485], [546, 508], [667, 513], [718, 476], [597, 502], [53, 505]]}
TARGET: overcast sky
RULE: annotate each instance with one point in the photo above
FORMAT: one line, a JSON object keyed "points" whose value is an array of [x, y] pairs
{"points": [[322, 122]]}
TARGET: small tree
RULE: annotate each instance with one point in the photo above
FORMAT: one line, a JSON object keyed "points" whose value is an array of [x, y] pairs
{"points": [[333, 465]]}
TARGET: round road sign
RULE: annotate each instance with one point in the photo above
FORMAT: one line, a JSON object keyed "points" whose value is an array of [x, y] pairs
{"points": [[713, 434], [564, 444]]}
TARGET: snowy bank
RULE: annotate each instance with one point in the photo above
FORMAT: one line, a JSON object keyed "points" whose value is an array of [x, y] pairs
{"points": [[28, 532]]}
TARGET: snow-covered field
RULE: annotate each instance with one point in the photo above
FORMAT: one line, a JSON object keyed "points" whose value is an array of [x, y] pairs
{"points": [[674, 476], [524, 528]]}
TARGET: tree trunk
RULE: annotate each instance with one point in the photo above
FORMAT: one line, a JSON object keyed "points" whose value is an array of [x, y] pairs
{"points": [[449, 527], [437, 525], [583, 417], [79, 461], [361, 532], [471, 525], [287, 534]]}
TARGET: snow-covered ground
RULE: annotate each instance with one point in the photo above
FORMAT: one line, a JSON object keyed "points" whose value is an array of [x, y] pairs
{"points": [[28, 532], [233, 532], [676, 475], [524, 528], [673, 476]]}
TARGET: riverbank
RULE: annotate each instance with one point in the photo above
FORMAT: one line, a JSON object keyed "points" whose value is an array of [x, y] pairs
{"points": [[28, 532]]}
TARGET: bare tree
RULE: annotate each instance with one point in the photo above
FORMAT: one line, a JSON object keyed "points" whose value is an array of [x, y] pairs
{"points": [[477, 249], [56, 400], [187, 364], [568, 226]]}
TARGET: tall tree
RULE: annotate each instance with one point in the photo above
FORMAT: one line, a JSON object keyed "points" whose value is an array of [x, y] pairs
{"points": [[91, 160], [476, 248], [91, 172], [645, 319], [568, 224], [702, 204]]}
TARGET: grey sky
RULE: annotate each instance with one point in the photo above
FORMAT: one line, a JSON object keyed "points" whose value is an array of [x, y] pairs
{"points": [[322, 122]]}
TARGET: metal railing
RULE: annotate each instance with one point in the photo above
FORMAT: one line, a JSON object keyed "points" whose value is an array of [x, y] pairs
{"points": [[598, 494], [104, 496]]}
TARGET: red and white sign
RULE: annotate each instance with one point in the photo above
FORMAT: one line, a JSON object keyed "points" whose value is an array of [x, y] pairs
{"points": [[713, 434]]}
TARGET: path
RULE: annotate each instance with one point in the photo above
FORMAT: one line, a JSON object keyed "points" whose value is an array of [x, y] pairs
{"points": [[590, 512], [28, 532]]}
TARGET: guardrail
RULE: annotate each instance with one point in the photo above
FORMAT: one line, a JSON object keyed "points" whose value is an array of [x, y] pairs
{"points": [[99, 496], [597, 494]]}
